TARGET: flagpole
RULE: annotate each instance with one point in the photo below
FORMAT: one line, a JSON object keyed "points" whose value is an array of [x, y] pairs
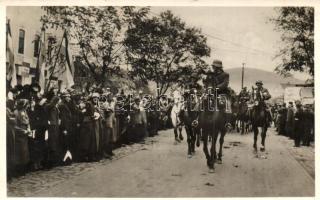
{"points": [[55, 62], [39, 52]]}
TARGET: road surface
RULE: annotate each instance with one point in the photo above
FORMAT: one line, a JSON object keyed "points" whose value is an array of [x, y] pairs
{"points": [[159, 168]]}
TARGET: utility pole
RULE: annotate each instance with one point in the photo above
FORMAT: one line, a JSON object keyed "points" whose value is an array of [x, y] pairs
{"points": [[242, 75]]}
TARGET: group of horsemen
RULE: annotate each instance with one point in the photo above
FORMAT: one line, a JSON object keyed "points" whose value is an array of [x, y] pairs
{"points": [[216, 82]]}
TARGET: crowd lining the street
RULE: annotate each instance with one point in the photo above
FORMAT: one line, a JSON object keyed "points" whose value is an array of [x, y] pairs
{"points": [[58, 128], [295, 121]]}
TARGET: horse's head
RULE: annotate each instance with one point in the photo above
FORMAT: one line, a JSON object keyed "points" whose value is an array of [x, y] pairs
{"points": [[190, 101], [208, 99]]}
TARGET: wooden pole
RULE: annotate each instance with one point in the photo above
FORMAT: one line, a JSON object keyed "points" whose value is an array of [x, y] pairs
{"points": [[242, 76]]}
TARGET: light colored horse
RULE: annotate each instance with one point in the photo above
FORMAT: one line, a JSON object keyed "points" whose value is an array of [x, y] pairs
{"points": [[175, 118]]}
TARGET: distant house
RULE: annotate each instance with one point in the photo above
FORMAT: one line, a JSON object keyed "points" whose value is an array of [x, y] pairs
{"points": [[301, 92]]}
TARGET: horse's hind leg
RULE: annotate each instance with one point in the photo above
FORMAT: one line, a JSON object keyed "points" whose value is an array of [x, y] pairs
{"points": [[213, 151], [180, 133], [263, 138], [223, 133]]}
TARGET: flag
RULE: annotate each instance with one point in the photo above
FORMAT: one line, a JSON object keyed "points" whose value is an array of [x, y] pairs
{"points": [[11, 73], [66, 76]]}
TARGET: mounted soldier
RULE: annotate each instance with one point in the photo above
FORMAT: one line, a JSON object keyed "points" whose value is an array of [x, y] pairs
{"points": [[244, 95], [260, 115], [218, 80], [243, 117], [265, 95]]}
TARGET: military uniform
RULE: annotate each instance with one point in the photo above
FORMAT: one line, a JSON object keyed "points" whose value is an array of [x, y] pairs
{"points": [[244, 96], [217, 80], [264, 94]]}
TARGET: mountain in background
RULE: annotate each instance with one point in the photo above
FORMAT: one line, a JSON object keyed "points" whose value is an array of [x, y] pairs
{"points": [[271, 80]]}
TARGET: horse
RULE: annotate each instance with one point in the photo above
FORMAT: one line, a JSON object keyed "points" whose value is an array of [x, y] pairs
{"points": [[212, 121], [188, 116], [175, 119], [243, 117], [259, 119]]}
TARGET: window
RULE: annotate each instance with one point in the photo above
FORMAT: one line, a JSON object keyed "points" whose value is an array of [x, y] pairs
{"points": [[36, 45], [21, 41]]}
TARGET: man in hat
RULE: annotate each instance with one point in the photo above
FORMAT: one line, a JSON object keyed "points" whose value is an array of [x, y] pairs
{"points": [[217, 78], [265, 95], [298, 124], [66, 126], [289, 120], [308, 125]]}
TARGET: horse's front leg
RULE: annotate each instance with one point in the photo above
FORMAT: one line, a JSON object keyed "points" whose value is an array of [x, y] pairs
{"points": [[176, 134], [263, 138], [198, 135], [213, 151], [255, 137], [180, 133], [189, 140], [223, 133], [205, 146]]}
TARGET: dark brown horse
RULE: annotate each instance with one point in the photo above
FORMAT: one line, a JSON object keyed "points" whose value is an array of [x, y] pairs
{"points": [[243, 117], [212, 121], [189, 116], [259, 119]]}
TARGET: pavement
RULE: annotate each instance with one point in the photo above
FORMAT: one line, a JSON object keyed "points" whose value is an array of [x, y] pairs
{"points": [[159, 168]]}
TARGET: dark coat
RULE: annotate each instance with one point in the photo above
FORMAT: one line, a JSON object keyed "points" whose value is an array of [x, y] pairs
{"points": [[38, 123], [52, 111], [299, 122], [220, 81], [66, 117], [54, 142]]}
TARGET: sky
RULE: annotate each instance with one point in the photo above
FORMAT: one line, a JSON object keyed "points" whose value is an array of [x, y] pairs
{"points": [[236, 35]]}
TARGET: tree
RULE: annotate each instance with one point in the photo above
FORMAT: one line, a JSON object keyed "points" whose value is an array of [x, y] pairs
{"points": [[98, 31], [164, 50], [297, 27]]}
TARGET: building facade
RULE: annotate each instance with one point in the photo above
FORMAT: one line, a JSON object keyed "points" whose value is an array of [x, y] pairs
{"points": [[25, 28]]}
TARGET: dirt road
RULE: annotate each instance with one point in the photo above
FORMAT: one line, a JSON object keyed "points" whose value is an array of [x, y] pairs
{"points": [[162, 169]]}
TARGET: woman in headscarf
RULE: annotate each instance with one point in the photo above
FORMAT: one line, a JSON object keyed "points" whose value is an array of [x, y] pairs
{"points": [[22, 132]]}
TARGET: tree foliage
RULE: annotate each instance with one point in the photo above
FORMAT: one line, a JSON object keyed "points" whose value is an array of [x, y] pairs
{"points": [[98, 31], [297, 27], [164, 50]]}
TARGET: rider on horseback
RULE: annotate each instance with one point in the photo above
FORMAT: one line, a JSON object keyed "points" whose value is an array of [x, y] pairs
{"points": [[244, 95], [265, 95], [219, 80]]}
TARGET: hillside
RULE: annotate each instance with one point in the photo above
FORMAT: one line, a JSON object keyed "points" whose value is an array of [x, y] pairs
{"points": [[271, 80]]}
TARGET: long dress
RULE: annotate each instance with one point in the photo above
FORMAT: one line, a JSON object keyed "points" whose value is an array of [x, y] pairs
{"points": [[11, 122], [22, 156], [87, 136]]}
